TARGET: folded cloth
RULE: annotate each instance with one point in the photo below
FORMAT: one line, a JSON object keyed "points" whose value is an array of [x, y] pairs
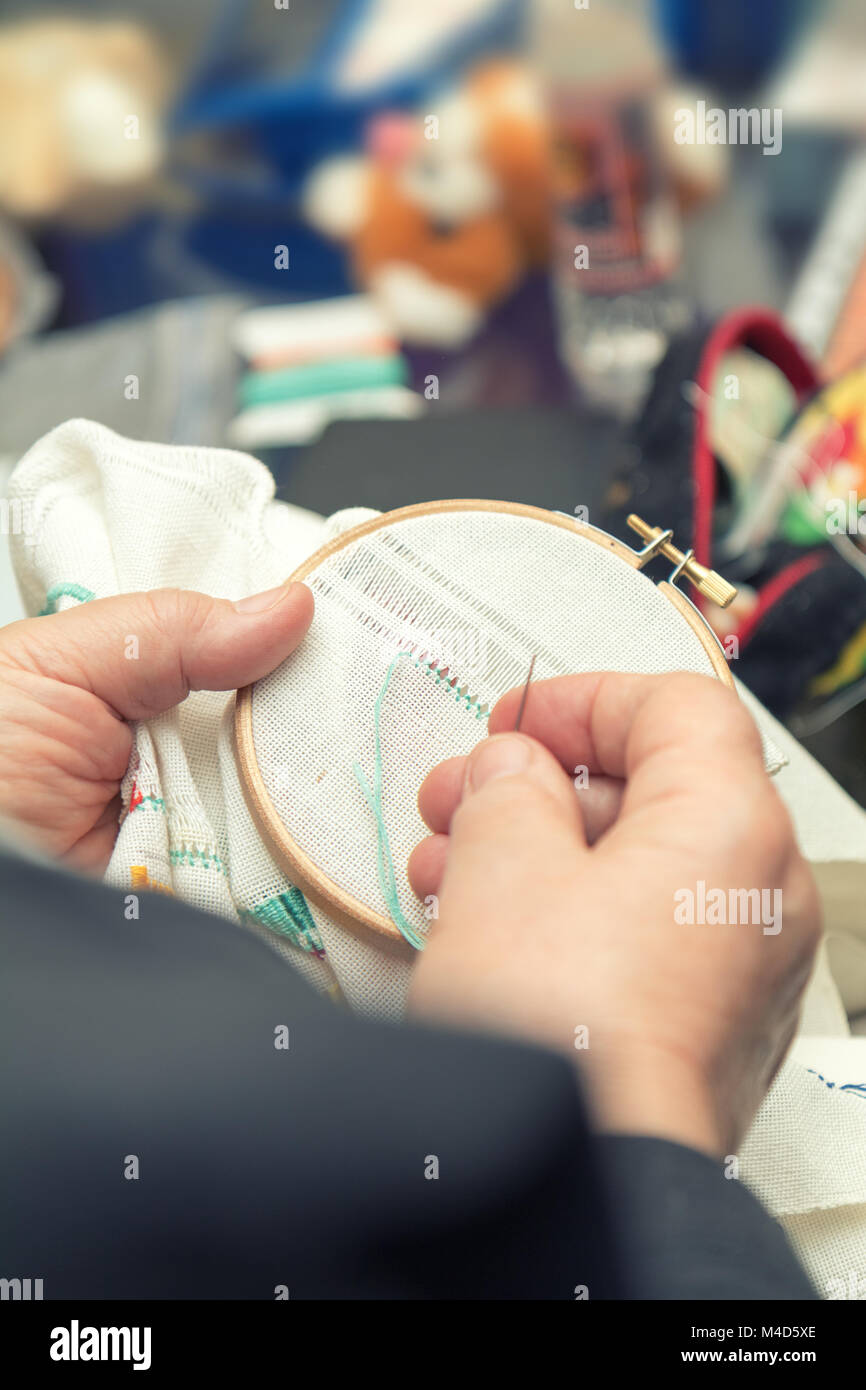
{"points": [[106, 515]]}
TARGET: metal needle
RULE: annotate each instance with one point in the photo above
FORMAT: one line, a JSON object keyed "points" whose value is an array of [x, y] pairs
{"points": [[524, 695]]}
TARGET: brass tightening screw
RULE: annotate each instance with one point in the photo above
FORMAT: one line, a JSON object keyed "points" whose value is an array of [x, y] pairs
{"points": [[706, 581]]}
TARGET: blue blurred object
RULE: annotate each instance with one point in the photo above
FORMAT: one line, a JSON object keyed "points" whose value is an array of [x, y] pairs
{"points": [[274, 126], [732, 43], [299, 121]]}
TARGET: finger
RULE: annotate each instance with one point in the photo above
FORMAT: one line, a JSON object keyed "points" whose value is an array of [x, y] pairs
{"points": [[143, 653], [614, 723], [427, 865], [440, 793], [600, 801], [92, 852], [439, 797], [687, 748], [557, 713], [516, 829]]}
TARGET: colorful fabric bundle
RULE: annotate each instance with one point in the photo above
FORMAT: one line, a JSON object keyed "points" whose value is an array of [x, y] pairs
{"points": [[743, 453], [311, 363]]}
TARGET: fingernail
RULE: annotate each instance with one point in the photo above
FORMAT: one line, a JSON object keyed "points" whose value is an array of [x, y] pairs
{"points": [[497, 757], [258, 603]]}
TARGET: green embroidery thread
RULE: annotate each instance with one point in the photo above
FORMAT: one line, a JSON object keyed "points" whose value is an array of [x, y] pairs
{"points": [[65, 590], [373, 798], [196, 859], [289, 914]]}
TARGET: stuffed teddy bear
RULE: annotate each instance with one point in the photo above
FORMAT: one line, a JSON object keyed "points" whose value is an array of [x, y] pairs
{"points": [[447, 208]]}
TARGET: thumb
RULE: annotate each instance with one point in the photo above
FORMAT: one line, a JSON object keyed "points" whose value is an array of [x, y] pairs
{"points": [[518, 827], [143, 653]]}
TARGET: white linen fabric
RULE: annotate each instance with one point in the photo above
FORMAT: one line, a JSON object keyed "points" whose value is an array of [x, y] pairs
{"points": [[104, 515]]}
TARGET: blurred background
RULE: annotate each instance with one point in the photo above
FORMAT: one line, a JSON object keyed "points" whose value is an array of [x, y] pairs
{"points": [[599, 257]]}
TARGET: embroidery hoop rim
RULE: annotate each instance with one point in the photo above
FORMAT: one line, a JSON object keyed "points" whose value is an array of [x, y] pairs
{"points": [[340, 905]]}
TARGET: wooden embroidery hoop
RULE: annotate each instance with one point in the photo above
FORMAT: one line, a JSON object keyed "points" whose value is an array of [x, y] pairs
{"points": [[339, 905]]}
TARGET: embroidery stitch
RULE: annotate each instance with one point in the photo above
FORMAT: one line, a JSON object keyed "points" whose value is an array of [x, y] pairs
{"points": [[461, 693], [854, 1088], [195, 858], [289, 914], [64, 590], [138, 799], [139, 879]]}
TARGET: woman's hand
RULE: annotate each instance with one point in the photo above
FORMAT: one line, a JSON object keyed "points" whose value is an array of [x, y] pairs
{"points": [[70, 682], [577, 941]]}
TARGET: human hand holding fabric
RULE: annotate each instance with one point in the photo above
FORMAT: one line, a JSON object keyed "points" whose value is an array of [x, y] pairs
{"points": [[71, 681]]}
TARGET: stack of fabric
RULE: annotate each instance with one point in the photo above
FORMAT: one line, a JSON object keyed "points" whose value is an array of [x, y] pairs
{"points": [[308, 364]]}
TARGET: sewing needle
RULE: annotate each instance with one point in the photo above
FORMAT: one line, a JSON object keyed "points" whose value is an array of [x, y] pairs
{"points": [[524, 696]]}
